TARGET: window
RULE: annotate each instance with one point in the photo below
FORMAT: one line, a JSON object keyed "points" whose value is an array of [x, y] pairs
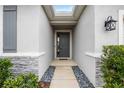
{"points": [[63, 10], [9, 28]]}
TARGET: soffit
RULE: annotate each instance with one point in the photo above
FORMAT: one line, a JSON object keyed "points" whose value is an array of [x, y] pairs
{"points": [[63, 20], [75, 16]]}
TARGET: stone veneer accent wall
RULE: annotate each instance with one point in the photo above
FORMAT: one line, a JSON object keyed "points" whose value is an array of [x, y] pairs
{"points": [[99, 81], [24, 64]]}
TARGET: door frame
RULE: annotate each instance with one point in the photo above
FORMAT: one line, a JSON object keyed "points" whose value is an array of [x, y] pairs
{"points": [[55, 55]]}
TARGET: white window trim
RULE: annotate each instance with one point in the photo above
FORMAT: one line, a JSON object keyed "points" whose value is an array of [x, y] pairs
{"points": [[21, 54], [121, 27], [70, 43], [94, 55], [1, 29]]}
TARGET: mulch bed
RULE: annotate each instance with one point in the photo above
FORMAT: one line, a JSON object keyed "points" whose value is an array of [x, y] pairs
{"points": [[44, 84]]}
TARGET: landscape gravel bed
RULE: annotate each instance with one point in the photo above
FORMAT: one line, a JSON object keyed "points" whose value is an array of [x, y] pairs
{"points": [[47, 77], [81, 78]]}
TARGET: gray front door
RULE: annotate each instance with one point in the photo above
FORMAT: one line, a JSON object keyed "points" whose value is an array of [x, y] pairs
{"points": [[63, 44]]}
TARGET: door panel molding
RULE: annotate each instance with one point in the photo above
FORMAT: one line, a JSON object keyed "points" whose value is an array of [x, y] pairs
{"points": [[55, 46]]}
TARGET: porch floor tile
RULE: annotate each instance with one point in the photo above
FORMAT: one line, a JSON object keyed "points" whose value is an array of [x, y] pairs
{"points": [[63, 76], [67, 83], [63, 63]]}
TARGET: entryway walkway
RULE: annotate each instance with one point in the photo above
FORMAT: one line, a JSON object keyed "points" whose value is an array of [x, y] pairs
{"points": [[63, 76]]}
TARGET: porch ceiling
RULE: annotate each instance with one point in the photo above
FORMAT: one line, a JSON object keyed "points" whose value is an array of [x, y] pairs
{"points": [[63, 21]]}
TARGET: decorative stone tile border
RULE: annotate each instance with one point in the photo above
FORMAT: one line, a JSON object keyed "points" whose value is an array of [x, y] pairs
{"points": [[47, 77], [24, 64], [81, 78], [99, 80]]}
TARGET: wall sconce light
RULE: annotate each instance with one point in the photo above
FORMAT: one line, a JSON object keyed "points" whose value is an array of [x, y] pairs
{"points": [[110, 24]]}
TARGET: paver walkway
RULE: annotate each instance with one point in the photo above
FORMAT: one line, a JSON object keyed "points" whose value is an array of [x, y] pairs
{"points": [[63, 76]]}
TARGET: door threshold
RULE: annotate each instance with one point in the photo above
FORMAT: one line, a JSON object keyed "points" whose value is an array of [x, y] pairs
{"points": [[63, 59]]}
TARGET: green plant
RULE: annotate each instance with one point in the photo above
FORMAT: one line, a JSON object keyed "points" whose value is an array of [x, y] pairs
{"points": [[5, 72], [112, 66], [22, 81]]}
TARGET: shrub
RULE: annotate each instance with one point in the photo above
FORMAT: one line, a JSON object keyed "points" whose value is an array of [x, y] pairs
{"points": [[113, 66], [22, 81], [5, 71]]}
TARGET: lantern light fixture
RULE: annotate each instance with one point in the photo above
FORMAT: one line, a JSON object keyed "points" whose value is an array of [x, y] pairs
{"points": [[110, 24]]}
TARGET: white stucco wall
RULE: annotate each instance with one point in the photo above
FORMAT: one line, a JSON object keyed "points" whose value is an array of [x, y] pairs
{"points": [[103, 37], [83, 41], [34, 34], [28, 28], [45, 41], [90, 36], [1, 29]]}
